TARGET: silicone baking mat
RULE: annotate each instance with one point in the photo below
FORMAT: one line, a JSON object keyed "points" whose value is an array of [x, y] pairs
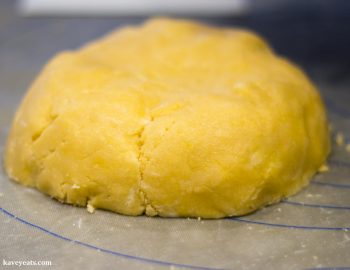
{"points": [[309, 230]]}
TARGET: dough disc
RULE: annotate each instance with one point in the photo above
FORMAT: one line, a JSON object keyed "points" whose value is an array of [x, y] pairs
{"points": [[172, 118]]}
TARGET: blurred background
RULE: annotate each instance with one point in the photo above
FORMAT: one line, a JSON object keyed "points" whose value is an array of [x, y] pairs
{"points": [[315, 32]]}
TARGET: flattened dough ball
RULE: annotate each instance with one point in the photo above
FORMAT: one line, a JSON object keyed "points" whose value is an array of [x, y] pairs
{"points": [[171, 118]]}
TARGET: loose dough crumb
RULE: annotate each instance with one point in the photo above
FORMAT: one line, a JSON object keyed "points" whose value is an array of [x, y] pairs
{"points": [[339, 139], [324, 168], [90, 208], [150, 211]]}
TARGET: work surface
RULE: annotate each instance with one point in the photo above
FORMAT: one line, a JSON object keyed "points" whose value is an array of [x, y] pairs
{"points": [[309, 230]]}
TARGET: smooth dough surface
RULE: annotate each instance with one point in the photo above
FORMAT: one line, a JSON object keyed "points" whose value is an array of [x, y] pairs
{"points": [[172, 118]]}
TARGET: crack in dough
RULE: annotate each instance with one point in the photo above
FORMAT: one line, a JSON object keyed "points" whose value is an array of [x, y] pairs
{"points": [[149, 209], [36, 136]]}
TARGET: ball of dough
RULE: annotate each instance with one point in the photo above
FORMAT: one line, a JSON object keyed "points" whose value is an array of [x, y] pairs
{"points": [[172, 118]]}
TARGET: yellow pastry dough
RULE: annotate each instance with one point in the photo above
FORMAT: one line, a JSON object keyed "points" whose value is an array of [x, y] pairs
{"points": [[172, 118]]}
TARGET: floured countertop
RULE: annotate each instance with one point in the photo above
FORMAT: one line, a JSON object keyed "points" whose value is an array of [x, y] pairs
{"points": [[309, 230]]}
